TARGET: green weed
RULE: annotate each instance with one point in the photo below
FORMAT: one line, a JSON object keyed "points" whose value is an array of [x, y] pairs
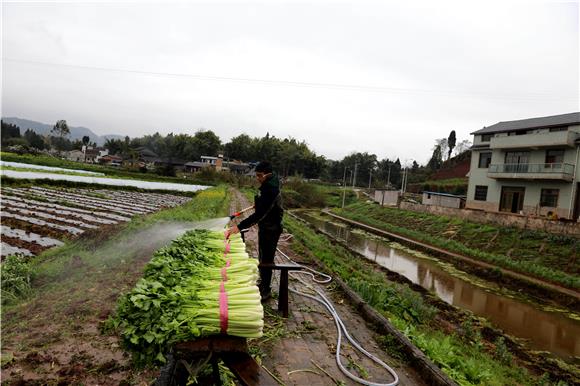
{"points": [[16, 274]]}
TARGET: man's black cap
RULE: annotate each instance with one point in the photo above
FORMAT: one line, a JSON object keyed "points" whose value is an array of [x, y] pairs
{"points": [[264, 167]]}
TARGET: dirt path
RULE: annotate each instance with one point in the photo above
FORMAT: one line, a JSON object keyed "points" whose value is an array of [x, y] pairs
{"points": [[295, 349]]}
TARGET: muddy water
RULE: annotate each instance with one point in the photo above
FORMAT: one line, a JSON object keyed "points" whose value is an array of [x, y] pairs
{"points": [[541, 330]]}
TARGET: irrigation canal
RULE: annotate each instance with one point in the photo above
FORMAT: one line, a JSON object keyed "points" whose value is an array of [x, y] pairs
{"points": [[541, 329]]}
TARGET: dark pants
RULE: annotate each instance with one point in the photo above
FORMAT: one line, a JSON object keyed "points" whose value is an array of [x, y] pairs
{"points": [[267, 242]]}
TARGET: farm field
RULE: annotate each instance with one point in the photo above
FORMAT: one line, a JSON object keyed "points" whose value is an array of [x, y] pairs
{"points": [[60, 329], [35, 219], [52, 331]]}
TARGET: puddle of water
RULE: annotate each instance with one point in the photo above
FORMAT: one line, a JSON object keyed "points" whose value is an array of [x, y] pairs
{"points": [[105, 181], [542, 330]]}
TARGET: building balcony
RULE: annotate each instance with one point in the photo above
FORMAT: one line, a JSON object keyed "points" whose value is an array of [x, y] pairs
{"points": [[553, 171], [535, 141]]}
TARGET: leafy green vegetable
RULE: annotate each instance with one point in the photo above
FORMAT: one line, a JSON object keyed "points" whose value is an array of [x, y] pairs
{"points": [[179, 296]]}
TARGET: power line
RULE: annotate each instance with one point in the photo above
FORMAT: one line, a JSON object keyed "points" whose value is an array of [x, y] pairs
{"points": [[339, 86]]}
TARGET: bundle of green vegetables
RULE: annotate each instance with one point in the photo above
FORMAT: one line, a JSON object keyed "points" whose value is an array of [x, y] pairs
{"points": [[199, 285]]}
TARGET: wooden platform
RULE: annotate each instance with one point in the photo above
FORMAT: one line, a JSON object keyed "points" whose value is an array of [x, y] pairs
{"points": [[187, 358]]}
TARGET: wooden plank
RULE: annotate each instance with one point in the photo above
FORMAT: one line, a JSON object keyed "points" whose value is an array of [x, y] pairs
{"points": [[247, 371], [216, 344], [286, 267], [283, 290]]}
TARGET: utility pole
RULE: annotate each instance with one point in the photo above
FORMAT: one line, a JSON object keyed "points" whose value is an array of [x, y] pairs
{"points": [[344, 187], [389, 177], [370, 177], [354, 176], [404, 181]]}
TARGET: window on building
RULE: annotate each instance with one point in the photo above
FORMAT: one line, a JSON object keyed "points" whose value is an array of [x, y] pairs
{"points": [[517, 157], [549, 197], [480, 193], [516, 161], [554, 156], [553, 129], [486, 137], [484, 160]]}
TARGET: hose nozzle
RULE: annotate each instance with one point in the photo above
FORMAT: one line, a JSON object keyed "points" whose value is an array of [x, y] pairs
{"points": [[237, 214]]}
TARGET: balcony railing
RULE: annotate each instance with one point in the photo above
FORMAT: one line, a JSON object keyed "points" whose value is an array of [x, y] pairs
{"points": [[539, 140], [534, 171]]}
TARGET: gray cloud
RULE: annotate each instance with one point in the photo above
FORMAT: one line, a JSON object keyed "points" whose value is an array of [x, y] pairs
{"points": [[424, 68]]}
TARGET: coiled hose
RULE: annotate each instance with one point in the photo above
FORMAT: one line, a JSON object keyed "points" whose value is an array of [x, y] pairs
{"points": [[340, 328]]}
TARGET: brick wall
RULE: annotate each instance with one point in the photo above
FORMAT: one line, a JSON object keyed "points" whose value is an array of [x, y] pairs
{"points": [[504, 219]]}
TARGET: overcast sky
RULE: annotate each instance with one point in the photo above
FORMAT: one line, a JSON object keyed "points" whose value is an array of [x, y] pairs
{"points": [[386, 78]]}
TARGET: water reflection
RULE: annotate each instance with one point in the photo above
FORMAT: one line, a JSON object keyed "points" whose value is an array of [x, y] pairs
{"points": [[543, 330]]}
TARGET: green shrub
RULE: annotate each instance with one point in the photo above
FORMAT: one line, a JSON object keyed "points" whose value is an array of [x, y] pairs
{"points": [[300, 194], [15, 275]]}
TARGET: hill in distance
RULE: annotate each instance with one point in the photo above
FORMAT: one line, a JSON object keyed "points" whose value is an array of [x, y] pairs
{"points": [[76, 132]]}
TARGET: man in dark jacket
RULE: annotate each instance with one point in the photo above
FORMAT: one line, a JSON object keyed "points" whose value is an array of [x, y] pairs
{"points": [[268, 215]]}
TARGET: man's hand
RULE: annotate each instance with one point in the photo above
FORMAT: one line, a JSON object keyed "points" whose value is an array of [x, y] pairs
{"points": [[232, 231]]}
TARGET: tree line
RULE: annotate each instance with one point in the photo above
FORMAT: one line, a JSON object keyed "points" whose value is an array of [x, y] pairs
{"points": [[289, 156], [30, 140]]}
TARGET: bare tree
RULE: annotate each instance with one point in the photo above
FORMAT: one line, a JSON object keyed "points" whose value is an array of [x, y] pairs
{"points": [[443, 146], [61, 130], [462, 146]]}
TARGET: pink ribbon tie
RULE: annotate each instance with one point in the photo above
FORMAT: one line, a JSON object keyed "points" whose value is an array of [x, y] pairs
{"points": [[223, 309], [224, 274]]}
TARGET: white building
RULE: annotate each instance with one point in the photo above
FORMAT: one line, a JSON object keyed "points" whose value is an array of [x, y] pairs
{"points": [[529, 166]]}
